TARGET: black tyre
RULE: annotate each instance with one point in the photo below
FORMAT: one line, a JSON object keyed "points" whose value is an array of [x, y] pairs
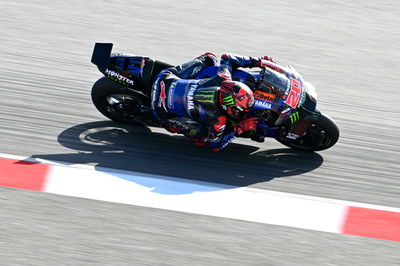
{"points": [[321, 135], [116, 101]]}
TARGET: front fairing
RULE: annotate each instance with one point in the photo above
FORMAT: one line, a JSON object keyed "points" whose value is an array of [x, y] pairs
{"points": [[287, 85], [290, 91]]}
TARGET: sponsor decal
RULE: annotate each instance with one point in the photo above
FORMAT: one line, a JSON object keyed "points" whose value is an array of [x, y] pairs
{"points": [[287, 88], [192, 132], [316, 115], [228, 100], [161, 102], [294, 117], [205, 100], [303, 96], [206, 96], [292, 136], [171, 92], [121, 54], [263, 105], [227, 141], [190, 103], [154, 92], [264, 96], [115, 76], [294, 94]]}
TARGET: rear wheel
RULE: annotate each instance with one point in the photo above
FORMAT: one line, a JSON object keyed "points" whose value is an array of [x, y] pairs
{"points": [[117, 102], [322, 134]]}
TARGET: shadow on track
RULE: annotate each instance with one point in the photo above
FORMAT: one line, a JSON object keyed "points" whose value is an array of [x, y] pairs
{"points": [[136, 148]]}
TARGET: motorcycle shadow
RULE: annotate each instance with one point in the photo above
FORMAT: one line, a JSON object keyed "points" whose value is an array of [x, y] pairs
{"points": [[137, 148]]}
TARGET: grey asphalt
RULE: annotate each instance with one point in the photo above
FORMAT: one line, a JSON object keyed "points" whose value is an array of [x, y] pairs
{"points": [[348, 49]]}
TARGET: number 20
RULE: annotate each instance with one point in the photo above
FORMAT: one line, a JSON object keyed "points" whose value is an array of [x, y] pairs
{"points": [[294, 94]]}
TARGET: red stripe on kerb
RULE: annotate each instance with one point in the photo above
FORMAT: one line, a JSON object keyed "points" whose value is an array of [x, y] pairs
{"points": [[22, 174], [372, 223]]}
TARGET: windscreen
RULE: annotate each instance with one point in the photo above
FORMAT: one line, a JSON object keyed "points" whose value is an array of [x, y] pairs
{"points": [[287, 86], [276, 81]]}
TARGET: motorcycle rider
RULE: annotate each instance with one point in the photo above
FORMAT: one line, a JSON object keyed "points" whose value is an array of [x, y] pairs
{"points": [[202, 109]]}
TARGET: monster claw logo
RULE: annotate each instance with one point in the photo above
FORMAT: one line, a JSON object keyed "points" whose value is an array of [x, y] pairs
{"points": [[316, 115], [192, 132], [228, 100], [205, 96], [294, 117]]}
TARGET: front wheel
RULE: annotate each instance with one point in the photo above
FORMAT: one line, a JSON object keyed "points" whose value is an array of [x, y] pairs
{"points": [[117, 102], [322, 134]]}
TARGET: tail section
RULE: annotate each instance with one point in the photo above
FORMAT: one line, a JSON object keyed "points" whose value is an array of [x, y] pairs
{"points": [[101, 55]]}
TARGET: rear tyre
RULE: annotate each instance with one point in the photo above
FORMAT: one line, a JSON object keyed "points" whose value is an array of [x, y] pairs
{"points": [[322, 134], [116, 101]]}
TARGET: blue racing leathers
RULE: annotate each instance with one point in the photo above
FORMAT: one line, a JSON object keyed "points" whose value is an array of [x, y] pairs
{"points": [[191, 106]]}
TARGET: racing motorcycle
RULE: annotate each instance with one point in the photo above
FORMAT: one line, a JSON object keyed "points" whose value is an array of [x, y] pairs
{"points": [[287, 113]]}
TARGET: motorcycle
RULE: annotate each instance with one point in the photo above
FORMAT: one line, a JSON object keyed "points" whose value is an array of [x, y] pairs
{"points": [[289, 114]]}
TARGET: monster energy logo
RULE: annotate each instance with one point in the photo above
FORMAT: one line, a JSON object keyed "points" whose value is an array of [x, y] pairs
{"points": [[205, 96], [192, 132], [294, 117], [118, 77], [228, 100], [316, 115]]}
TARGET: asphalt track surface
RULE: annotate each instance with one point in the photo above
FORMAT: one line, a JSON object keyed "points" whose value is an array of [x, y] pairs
{"points": [[348, 49]]}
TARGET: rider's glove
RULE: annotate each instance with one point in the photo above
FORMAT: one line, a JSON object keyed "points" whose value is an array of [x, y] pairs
{"points": [[246, 125], [265, 57], [262, 61]]}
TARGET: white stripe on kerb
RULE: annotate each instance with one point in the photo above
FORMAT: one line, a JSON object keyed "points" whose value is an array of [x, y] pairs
{"points": [[237, 203]]}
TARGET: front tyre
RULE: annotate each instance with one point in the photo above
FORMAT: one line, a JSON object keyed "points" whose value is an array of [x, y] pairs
{"points": [[322, 134], [116, 101]]}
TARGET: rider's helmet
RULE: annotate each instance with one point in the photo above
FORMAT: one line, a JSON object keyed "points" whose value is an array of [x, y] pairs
{"points": [[236, 98]]}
